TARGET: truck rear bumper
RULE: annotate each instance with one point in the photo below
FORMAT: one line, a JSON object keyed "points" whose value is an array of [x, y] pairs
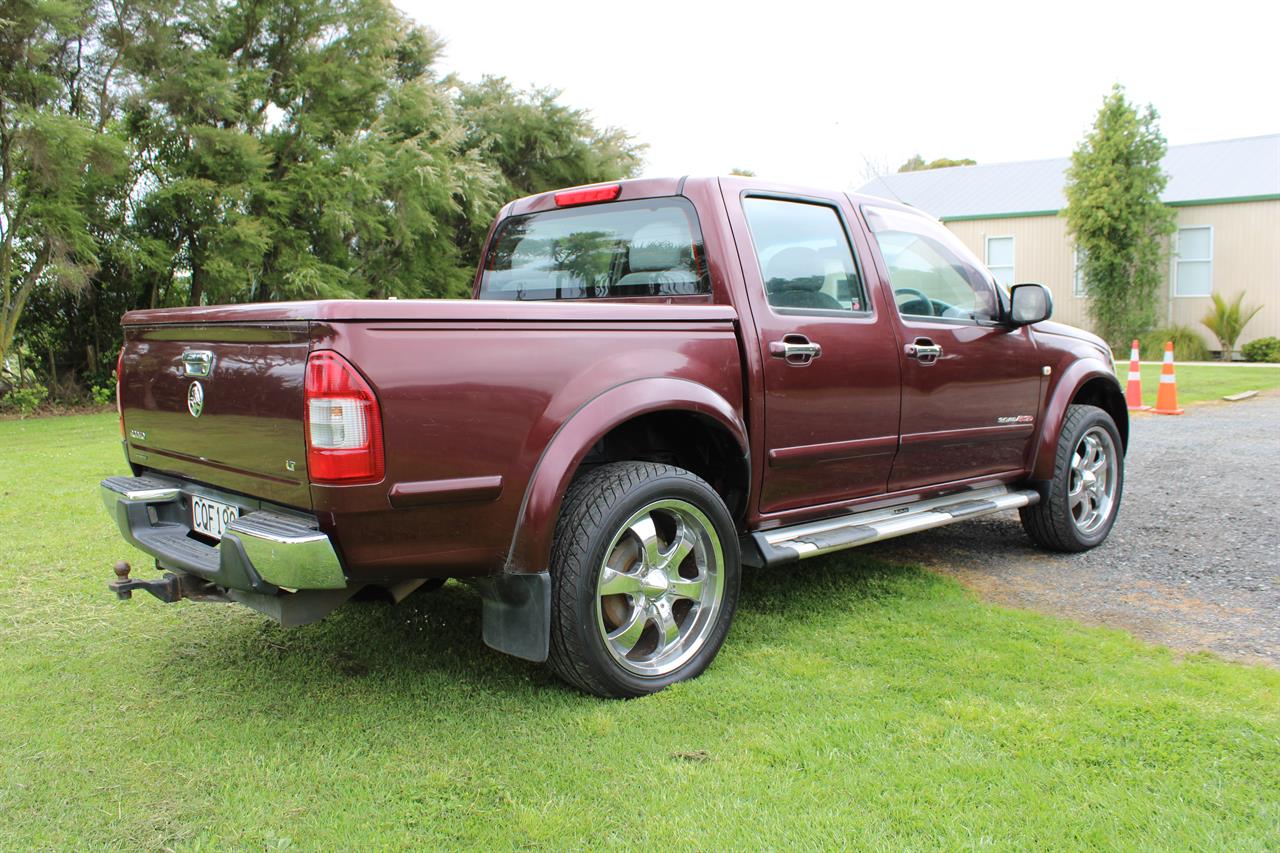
{"points": [[262, 551]]}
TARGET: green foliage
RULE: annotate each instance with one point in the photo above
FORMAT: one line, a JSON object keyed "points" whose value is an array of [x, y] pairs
{"points": [[918, 164], [61, 167], [103, 395], [26, 399], [742, 173], [303, 150], [1188, 345], [1262, 349], [1227, 320], [1116, 217], [536, 143], [172, 152]]}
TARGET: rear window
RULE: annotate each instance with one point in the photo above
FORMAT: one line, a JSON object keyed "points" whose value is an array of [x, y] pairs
{"points": [[625, 249]]}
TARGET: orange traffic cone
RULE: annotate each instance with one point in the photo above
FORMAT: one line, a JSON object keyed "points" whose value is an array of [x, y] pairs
{"points": [[1133, 392], [1167, 395]]}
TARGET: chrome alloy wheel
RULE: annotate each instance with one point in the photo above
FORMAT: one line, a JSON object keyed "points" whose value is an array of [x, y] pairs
{"points": [[1091, 488], [660, 587]]}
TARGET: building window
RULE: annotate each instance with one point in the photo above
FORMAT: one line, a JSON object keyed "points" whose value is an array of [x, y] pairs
{"points": [[1078, 287], [1193, 262], [1000, 259]]}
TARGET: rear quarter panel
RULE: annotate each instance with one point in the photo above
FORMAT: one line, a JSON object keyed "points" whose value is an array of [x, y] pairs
{"points": [[464, 404]]}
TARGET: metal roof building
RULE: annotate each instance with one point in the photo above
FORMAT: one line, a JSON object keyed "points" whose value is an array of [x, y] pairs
{"points": [[1227, 194]]}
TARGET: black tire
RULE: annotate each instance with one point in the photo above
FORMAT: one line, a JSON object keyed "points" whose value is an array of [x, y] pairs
{"points": [[1053, 523], [595, 525]]}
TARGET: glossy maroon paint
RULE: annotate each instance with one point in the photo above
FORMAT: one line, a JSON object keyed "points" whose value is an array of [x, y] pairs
{"points": [[250, 426], [831, 425], [485, 399], [489, 407]]}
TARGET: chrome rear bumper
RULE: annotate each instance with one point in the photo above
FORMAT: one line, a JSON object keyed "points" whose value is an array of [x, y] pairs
{"points": [[262, 551]]}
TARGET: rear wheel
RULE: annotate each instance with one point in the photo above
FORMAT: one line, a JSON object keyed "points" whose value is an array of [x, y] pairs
{"points": [[1081, 502], [644, 579]]}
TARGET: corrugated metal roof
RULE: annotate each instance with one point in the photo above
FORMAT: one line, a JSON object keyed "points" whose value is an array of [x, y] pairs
{"points": [[1230, 169]]}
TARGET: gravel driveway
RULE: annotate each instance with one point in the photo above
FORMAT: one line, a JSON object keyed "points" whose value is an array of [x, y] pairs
{"points": [[1193, 561]]}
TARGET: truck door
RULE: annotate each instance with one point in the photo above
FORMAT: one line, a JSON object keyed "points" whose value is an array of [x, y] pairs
{"points": [[970, 384], [829, 356]]}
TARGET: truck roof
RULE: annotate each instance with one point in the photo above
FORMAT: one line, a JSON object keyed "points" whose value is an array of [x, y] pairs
{"points": [[633, 188]]}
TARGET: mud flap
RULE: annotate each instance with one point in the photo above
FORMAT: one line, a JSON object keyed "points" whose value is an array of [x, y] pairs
{"points": [[516, 617]]}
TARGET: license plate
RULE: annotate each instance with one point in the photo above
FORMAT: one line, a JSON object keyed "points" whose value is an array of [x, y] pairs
{"points": [[211, 517]]}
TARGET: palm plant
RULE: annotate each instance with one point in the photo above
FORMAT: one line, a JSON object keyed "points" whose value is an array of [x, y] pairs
{"points": [[1227, 320]]}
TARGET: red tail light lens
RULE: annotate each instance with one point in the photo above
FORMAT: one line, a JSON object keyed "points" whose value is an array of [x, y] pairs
{"points": [[590, 195], [119, 377], [344, 423]]}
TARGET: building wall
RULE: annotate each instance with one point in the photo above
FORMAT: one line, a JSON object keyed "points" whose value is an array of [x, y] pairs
{"points": [[1246, 256]]}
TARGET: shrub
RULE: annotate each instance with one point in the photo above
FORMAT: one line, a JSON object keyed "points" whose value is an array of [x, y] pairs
{"points": [[25, 400], [1227, 320], [103, 395], [1187, 344], [1262, 349]]}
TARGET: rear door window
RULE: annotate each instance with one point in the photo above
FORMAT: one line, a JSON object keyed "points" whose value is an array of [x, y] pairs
{"points": [[625, 249], [805, 259]]}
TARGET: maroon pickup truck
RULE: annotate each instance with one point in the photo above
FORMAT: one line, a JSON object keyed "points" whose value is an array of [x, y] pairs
{"points": [[656, 382]]}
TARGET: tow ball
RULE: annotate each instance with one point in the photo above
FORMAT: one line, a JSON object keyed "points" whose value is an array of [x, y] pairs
{"points": [[169, 588]]}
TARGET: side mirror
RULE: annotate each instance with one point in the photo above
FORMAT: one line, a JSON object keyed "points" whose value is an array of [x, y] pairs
{"points": [[1029, 303]]}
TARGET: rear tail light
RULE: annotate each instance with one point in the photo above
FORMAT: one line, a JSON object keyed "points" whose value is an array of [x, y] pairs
{"points": [[119, 383], [344, 423], [590, 195]]}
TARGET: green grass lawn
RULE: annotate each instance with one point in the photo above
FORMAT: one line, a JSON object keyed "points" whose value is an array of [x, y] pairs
{"points": [[1200, 382], [856, 704]]}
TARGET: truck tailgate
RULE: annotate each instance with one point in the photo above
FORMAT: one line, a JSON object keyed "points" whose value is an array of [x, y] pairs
{"points": [[221, 404]]}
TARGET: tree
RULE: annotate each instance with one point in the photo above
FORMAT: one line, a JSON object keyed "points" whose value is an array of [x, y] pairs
{"points": [[1116, 217], [917, 164], [248, 150], [538, 143], [302, 149], [60, 163], [742, 173]]}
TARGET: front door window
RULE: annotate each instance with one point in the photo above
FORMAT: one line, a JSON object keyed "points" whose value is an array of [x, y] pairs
{"points": [[932, 273]]}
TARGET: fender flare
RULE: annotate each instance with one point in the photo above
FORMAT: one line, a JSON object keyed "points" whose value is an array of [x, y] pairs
{"points": [[1063, 392], [535, 525]]}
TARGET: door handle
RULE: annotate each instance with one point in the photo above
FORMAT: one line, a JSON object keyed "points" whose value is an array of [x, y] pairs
{"points": [[923, 350], [796, 350]]}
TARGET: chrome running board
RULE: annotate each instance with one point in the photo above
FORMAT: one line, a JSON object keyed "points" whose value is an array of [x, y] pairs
{"points": [[815, 538]]}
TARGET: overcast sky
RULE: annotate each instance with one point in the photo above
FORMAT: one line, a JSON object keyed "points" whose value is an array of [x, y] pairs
{"points": [[813, 92]]}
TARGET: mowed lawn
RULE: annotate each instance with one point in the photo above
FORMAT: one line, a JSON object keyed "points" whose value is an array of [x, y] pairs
{"points": [[856, 704], [1200, 382]]}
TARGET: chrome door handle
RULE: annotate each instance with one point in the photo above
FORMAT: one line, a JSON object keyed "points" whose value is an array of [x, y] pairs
{"points": [[795, 349], [923, 350]]}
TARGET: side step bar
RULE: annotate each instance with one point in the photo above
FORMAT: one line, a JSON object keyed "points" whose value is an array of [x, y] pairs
{"points": [[815, 538]]}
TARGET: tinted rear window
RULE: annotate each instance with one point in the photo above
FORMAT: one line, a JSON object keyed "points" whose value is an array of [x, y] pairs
{"points": [[625, 249]]}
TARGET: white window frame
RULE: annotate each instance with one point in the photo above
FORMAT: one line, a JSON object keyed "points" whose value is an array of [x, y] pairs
{"points": [[1078, 288], [1011, 266], [1178, 261]]}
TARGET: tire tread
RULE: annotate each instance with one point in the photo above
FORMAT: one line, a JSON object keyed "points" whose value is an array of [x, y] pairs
{"points": [[587, 501], [1046, 522]]}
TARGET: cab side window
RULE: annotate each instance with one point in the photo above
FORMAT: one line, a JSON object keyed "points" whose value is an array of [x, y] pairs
{"points": [[932, 273], [804, 255]]}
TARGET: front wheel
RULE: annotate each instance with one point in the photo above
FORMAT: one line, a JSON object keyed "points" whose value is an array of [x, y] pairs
{"points": [[644, 572], [1081, 501]]}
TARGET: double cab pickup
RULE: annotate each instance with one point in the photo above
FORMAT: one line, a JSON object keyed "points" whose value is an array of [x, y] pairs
{"points": [[654, 384]]}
